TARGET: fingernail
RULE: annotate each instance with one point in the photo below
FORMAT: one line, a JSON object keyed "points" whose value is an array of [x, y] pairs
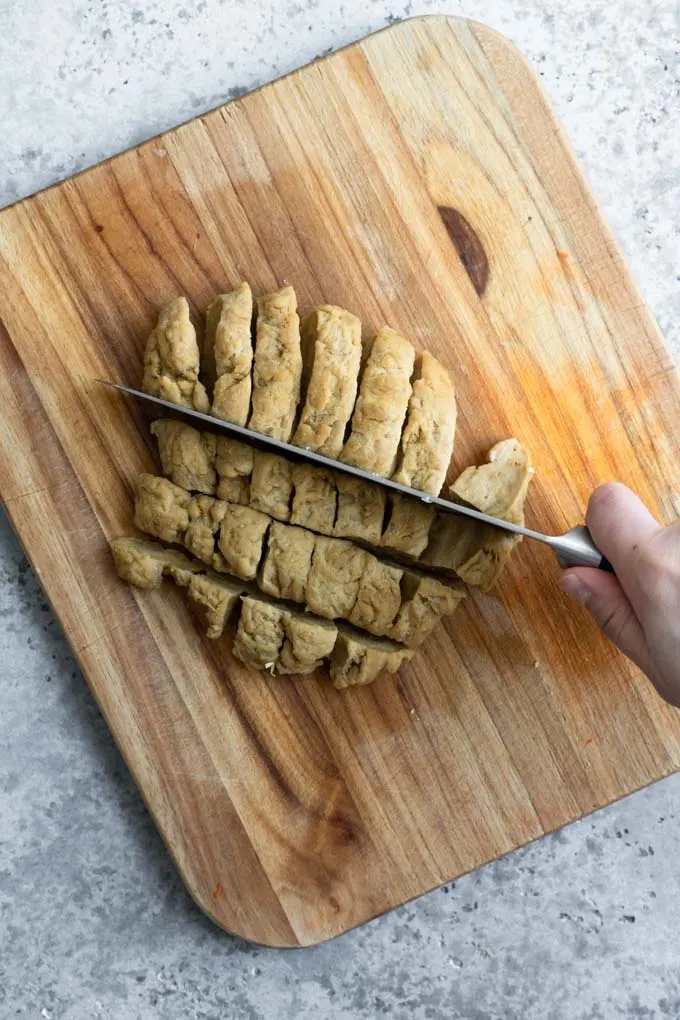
{"points": [[575, 587]]}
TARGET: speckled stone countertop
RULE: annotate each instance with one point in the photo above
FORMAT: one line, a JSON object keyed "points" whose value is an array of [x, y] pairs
{"points": [[94, 921]]}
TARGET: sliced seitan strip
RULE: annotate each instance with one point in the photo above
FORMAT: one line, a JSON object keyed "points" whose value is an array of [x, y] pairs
{"points": [[425, 600], [379, 597], [187, 455], [359, 659], [228, 354], [234, 466], [241, 541], [308, 641], [260, 634], [161, 508], [277, 368], [331, 347], [427, 442], [271, 486], [361, 509], [205, 518], [144, 564], [381, 406], [287, 562], [314, 499], [476, 552], [333, 582], [408, 525], [172, 360], [216, 599]]}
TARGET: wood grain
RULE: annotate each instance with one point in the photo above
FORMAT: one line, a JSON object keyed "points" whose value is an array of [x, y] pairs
{"points": [[418, 178]]}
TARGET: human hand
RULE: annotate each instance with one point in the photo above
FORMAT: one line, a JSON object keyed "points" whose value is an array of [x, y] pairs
{"points": [[638, 608]]}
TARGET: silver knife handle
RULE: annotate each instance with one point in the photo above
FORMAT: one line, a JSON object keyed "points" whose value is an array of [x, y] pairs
{"points": [[577, 549]]}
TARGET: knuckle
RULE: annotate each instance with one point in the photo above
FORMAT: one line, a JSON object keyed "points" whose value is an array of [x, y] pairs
{"points": [[614, 623]]}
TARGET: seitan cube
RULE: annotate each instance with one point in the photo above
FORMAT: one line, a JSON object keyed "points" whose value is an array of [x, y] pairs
{"points": [[331, 346], [408, 525], [277, 368], [379, 597], [260, 634], [234, 466], [425, 600], [308, 641], [271, 486], [427, 441], [216, 599], [361, 509], [171, 359], [144, 564], [314, 498], [359, 659], [334, 578], [241, 541], [287, 562], [161, 508], [187, 455], [380, 409], [228, 354], [205, 518]]}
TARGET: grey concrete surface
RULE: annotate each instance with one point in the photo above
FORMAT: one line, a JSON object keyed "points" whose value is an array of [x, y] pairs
{"points": [[94, 922]]}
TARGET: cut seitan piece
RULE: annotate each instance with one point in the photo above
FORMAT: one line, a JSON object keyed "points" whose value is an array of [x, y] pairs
{"points": [[215, 598], [314, 498], [187, 455], [228, 354], [379, 597], [205, 518], [234, 466], [425, 600], [144, 564], [476, 552], [172, 360], [161, 508], [408, 525], [271, 486], [359, 659], [308, 641], [331, 348], [380, 409], [260, 634], [361, 509], [427, 442], [277, 368], [333, 582], [241, 541], [287, 562]]}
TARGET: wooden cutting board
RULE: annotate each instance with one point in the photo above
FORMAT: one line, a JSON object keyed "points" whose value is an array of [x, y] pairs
{"points": [[420, 179]]}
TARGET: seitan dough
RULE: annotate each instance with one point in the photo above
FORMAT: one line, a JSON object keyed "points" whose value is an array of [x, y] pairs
{"points": [[379, 597], [172, 360], [425, 600], [277, 368], [308, 641], [427, 441], [359, 659], [361, 509], [380, 409], [287, 562], [331, 352], [187, 455], [260, 635], [161, 508], [144, 564], [271, 486], [241, 541], [228, 354], [215, 599], [334, 578], [234, 466], [408, 526], [205, 519], [314, 498]]}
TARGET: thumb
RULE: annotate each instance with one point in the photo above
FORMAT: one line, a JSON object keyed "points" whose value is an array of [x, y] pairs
{"points": [[605, 599]]}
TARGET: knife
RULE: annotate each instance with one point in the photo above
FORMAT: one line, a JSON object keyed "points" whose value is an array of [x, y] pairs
{"points": [[573, 549]]}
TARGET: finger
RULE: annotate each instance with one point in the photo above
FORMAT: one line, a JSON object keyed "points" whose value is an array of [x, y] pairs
{"points": [[605, 599], [619, 522]]}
